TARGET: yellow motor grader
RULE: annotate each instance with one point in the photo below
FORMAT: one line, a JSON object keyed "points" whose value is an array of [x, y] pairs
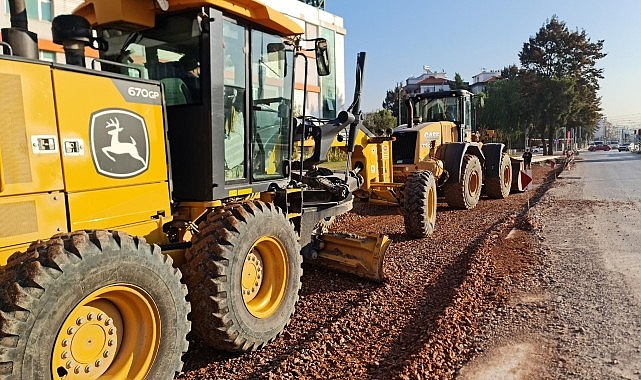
{"points": [[153, 193], [436, 153]]}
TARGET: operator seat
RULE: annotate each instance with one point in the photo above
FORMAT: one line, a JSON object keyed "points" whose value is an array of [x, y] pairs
{"points": [[170, 75], [176, 91]]}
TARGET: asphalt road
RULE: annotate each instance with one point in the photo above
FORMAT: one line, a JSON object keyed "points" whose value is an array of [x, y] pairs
{"points": [[615, 177]]}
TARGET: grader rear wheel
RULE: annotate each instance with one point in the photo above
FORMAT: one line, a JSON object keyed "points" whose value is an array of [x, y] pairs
{"points": [[466, 192], [96, 305], [243, 272], [499, 187], [419, 204]]}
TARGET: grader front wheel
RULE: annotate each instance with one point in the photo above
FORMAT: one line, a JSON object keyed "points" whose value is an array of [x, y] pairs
{"points": [[243, 272], [92, 305]]}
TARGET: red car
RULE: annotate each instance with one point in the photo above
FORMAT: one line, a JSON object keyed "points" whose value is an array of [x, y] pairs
{"points": [[604, 147]]}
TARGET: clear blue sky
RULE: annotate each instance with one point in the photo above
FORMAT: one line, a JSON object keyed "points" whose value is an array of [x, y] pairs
{"points": [[466, 36]]}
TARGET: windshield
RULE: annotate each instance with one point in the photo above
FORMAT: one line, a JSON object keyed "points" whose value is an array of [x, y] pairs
{"points": [[443, 109], [170, 53]]}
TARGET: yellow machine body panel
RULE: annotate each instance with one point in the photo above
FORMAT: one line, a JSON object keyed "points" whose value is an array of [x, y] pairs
{"points": [[138, 14], [432, 135], [113, 154], [111, 131], [28, 140], [119, 207], [26, 218], [374, 155], [79, 150]]}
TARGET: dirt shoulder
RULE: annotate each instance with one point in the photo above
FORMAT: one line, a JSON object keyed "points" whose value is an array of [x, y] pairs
{"points": [[575, 314]]}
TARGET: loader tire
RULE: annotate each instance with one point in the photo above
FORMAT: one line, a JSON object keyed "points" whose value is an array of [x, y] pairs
{"points": [[419, 204], [243, 273], [465, 193], [89, 305], [499, 187]]}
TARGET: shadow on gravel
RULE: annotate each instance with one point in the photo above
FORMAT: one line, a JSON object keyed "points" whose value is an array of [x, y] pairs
{"points": [[431, 315]]}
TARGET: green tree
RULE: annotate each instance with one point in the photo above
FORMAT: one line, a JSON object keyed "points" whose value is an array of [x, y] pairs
{"points": [[379, 122], [391, 101], [562, 78], [458, 83], [502, 108]]}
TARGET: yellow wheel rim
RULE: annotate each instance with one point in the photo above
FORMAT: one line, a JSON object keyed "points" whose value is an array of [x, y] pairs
{"points": [[264, 277], [431, 205], [114, 332], [507, 176], [474, 183]]}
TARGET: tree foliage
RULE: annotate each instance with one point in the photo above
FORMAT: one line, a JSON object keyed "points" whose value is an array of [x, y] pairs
{"points": [[555, 87], [458, 83], [562, 79], [380, 121]]}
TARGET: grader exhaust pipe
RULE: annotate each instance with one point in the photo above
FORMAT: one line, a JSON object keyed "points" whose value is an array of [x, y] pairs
{"points": [[22, 42]]}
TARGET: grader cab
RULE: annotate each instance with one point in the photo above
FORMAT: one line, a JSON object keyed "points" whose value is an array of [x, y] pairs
{"points": [[438, 152], [152, 193]]}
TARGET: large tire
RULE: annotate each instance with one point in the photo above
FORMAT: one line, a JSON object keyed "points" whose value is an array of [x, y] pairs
{"points": [[465, 193], [419, 204], [92, 304], [243, 273], [499, 187]]}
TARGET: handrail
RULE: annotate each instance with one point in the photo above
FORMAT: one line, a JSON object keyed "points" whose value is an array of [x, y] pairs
{"points": [[9, 48], [2, 183]]}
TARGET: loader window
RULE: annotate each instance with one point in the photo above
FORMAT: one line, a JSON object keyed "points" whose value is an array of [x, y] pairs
{"points": [[271, 104]]}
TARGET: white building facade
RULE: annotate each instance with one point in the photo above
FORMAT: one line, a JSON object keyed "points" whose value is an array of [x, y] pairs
{"points": [[325, 95]]}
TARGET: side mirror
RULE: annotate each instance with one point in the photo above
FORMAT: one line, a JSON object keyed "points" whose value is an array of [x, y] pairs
{"points": [[276, 53], [322, 57]]}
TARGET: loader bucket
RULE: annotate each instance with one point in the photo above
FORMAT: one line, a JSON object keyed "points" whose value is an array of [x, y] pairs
{"points": [[358, 255]]}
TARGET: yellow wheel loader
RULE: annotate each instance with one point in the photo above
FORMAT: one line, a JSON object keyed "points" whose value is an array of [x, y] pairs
{"points": [[151, 192], [436, 153]]}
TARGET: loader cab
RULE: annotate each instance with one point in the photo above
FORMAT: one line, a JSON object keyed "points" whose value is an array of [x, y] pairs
{"points": [[454, 106], [439, 118], [228, 87]]}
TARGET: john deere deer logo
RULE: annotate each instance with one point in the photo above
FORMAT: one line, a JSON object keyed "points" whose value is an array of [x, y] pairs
{"points": [[119, 143]]}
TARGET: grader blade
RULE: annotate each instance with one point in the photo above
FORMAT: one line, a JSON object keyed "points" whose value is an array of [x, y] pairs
{"points": [[358, 255]]}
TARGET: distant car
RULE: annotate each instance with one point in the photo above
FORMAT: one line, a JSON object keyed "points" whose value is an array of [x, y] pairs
{"points": [[536, 149], [624, 147], [614, 145], [604, 147]]}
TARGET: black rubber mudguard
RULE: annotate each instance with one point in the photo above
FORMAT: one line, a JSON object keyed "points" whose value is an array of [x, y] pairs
{"points": [[493, 153], [452, 156]]}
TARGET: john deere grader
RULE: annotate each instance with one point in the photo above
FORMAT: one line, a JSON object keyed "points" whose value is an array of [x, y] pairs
{"points": [[153, 193], [436, 153]]}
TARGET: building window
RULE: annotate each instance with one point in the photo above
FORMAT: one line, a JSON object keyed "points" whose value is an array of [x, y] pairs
{"points": [[36, 9], [48, 56]]}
